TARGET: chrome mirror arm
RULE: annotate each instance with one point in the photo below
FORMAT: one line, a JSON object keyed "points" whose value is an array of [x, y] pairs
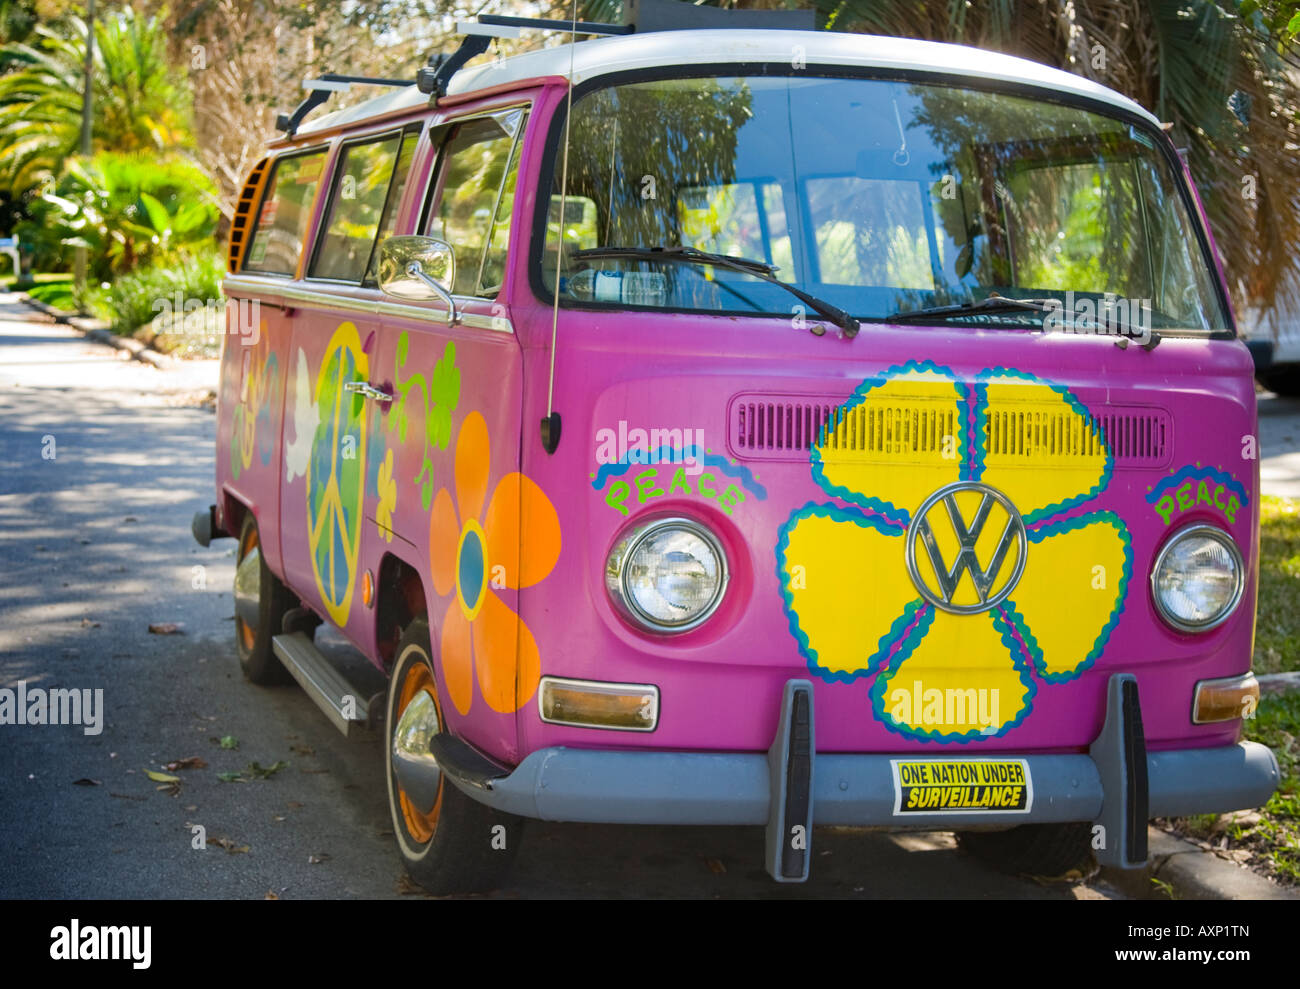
{"points": [[415, 270]]}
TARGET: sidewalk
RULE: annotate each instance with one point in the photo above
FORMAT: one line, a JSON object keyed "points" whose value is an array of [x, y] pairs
{"points": [[36, 352]]}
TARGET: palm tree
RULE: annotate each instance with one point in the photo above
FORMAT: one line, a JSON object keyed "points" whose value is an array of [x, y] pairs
{"points": [[140, 102], [1225, 74]]}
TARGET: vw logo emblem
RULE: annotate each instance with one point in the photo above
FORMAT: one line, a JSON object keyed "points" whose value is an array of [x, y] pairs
{"points": [[966, 528]]}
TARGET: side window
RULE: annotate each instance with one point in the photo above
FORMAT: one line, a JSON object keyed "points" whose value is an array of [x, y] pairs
{"points": [[357, 201], [285, 213], [480, 163], [396, 189]]}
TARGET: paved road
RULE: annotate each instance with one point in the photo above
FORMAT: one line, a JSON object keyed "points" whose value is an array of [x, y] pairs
{"points": [[95, 546], [1279, 441]]}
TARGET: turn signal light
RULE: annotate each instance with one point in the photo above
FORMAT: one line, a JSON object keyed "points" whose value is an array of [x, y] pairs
{"points": [[593, 704], [1225, 699]]}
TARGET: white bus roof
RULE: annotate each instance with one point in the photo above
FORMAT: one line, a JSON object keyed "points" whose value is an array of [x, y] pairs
{"points": [[707, 47]]}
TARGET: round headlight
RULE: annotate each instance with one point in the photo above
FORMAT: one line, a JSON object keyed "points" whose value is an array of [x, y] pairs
{"points": [[1198, 578], [668, 575]]}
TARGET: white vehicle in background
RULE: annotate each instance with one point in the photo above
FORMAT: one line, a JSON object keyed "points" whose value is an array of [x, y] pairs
{"points": [[1273, 337]]}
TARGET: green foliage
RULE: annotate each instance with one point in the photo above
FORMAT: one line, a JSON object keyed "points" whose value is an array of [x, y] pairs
{"points": [[1277, 725], [132, 210], [1277, 629], [57, 294], [141, 102], [132, 300]]}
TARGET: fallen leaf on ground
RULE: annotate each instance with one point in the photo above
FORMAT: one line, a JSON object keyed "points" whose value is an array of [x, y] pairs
{"points": [[87, 623], [271, 895], [233, 847], [302, 749], [253, 771], [265, 772], [128, 796], [294, 804], [86, 781], [229, 742], [318, 858], [715, 866], [161, 777], [164, 628], [189, 762]]}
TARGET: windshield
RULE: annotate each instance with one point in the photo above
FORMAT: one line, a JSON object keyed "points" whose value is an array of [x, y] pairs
{"points": [[879, 197]]}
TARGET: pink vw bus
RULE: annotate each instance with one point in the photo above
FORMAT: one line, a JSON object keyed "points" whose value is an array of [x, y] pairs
{"points": [[748, 427]]}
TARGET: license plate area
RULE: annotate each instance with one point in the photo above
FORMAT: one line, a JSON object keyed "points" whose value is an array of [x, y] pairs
{"points": [[962, 787]]}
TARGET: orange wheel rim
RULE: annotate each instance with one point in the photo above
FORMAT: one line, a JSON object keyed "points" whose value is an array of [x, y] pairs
{"points": [[421, 825], [247, 635]]}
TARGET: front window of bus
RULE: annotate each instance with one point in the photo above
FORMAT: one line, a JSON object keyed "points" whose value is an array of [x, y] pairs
{"points": [[879, 197]]}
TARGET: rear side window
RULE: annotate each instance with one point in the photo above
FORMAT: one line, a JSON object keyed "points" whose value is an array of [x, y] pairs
{"points": [[480, 164], [285, 213], [396, 190], [362, 183]]}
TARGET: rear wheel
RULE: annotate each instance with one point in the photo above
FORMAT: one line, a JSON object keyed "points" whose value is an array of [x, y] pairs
{"points": [[449, 843], [260, 604], [1050, 850]]}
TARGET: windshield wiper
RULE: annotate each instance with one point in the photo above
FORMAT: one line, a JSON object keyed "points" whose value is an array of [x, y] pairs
{"points": [[985, 307], [759, 269]]}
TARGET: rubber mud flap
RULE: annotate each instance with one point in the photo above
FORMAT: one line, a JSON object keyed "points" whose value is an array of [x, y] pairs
{"points": [[790, 769]]}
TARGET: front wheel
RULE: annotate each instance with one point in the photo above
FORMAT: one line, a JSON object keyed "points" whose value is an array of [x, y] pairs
{"points": [[261, 601], [449, 843]]}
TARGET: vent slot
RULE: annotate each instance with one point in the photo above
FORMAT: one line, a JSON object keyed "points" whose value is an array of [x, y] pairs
{"points": [[1136, 437], [781, 428], [241, 225]]}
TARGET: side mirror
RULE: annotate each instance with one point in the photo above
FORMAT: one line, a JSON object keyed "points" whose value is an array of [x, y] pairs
{"points": [[418, 269]]}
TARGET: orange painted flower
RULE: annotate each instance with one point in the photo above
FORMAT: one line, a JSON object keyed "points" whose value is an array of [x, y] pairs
{"points": [[514, 543]]}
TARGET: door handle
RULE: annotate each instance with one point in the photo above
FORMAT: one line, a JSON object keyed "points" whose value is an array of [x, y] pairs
{"points": [[367, 390]]}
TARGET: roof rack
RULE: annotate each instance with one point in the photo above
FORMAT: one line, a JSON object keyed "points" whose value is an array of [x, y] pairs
{"points": [[639, 17], [319, 90]]}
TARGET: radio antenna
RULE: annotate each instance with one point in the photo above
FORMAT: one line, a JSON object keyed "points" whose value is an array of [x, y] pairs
{"points": [[551, 424]]}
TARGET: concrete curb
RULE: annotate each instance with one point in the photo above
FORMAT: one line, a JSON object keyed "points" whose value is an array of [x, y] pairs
{"points": [[1194, 873], [1278, 683], [98, 331]]}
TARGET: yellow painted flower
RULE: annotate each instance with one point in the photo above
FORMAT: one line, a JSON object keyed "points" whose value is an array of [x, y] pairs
{"points": [[472, 552], [963, 563], [387, 498]]}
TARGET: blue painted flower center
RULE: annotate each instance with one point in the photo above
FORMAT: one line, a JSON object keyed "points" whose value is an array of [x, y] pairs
{"points": [[470, 569]]}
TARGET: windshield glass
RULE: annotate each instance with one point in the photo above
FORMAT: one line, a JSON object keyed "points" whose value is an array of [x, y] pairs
{"points": [[876, 196]]}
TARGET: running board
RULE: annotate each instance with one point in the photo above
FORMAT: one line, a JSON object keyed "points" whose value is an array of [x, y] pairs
{"points": [[345, 706]]}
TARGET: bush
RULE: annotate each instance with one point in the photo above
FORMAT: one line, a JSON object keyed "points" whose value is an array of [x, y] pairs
{"points": [[134, 300], [57, 294], [132, 211]]}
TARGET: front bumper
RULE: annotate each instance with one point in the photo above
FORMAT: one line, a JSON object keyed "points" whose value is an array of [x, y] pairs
{"points": [[1117, 785]]}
